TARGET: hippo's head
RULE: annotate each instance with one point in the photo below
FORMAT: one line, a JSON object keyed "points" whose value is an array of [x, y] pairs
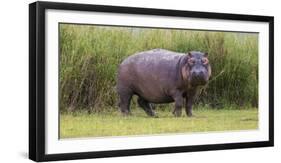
{"points": [[197, 69]]}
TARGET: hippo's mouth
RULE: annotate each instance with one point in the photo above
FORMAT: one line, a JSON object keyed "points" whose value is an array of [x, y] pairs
{"points": [[196, 81]]}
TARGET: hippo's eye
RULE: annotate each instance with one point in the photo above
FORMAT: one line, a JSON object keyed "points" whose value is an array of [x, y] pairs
{"points": [[191, 61], [205, 61]]}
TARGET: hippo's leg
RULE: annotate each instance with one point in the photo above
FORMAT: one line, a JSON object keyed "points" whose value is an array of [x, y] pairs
{"points": [[147, 107], [153, 106], [125, 96], [188, 107], [189, 103], [179, 100]]}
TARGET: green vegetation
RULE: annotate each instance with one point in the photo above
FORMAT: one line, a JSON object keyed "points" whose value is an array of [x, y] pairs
{"points": [[82, 124], [90, 55]]}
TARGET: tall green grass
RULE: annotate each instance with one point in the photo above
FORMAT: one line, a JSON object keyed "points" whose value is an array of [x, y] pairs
{"points": [[90, 55]]}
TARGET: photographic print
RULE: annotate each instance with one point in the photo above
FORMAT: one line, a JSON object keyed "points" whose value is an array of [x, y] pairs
{"points": [[117, 81], [108, 81]]}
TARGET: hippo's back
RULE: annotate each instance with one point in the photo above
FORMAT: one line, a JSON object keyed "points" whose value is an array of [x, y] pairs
{"points": [[154, 56]]}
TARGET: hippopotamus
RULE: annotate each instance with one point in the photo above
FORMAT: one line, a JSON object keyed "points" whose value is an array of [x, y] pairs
{"points": [[162, 76]]}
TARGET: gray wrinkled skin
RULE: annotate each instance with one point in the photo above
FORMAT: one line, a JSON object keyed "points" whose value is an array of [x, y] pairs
{"points": [[161, 76]]}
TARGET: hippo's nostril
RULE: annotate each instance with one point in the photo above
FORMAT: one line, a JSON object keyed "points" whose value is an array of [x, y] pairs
{"points": [[198, 74]]}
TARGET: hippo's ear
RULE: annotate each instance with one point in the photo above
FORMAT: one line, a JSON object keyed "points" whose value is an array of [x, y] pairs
{"points": [[186, 57], [189, 54]]}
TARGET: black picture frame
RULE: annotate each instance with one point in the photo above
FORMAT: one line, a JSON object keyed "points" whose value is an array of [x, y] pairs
{"points": [[37, 87]]}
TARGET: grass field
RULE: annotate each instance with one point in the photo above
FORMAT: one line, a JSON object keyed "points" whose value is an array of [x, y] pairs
{"points": [[83, 124]]}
